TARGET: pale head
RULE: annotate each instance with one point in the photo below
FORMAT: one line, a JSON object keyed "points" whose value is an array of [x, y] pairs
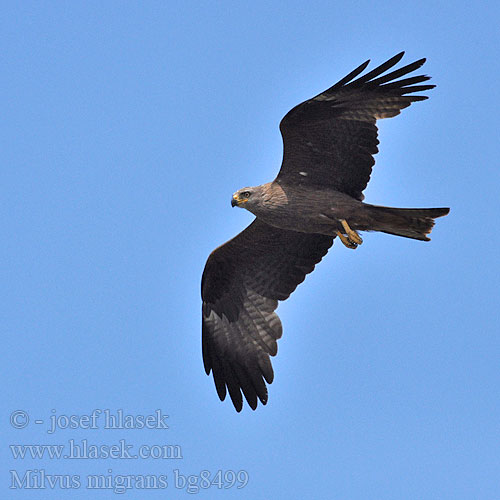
{"points": [[244, 197]]}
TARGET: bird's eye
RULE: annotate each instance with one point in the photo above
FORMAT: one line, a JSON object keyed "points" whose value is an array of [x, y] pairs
{"points": [[246, 194]]}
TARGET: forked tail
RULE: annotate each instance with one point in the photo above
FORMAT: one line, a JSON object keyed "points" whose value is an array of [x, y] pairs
{"points": [[414, 223]]}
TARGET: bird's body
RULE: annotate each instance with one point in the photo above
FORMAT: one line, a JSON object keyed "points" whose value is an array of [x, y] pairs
{"points": [[302, 208], [329, 143], [320, 211]]}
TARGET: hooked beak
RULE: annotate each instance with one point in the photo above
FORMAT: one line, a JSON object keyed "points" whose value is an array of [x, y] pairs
{"points": [[234, 201]]}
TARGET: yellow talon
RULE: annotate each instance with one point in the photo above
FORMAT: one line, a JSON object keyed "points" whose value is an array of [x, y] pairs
{"points": [[346, 241], [351, 234]]}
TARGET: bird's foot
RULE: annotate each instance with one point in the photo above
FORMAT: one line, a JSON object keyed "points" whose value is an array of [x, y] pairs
{"points": [[351, 234], [346, 240], [351, 239]]}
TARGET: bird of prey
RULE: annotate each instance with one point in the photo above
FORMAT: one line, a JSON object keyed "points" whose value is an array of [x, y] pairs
{"points": [[329, 142]]}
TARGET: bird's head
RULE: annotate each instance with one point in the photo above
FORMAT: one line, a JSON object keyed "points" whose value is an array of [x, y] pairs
{"points": [[243, 197]]}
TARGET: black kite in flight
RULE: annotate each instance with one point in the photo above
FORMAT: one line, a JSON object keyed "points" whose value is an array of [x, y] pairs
{"points": [[329, 142]]}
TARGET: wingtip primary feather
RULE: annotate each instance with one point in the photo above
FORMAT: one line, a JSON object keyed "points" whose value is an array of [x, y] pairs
{"points": [[353, 74], [379, 69], [398, 56]]}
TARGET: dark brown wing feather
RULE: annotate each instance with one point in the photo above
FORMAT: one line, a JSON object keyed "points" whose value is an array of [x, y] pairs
{"points": [[330, 140], [241, 285]]}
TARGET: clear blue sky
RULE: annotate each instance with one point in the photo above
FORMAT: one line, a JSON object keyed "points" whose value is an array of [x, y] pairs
{"points": [[125, 128]]}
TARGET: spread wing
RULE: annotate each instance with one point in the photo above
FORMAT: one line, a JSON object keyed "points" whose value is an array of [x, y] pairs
{"points": [[330, 140], [241, 285]]}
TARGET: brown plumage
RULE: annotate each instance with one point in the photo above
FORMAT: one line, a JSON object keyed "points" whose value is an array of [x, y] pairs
{"points": [[329, 143]]}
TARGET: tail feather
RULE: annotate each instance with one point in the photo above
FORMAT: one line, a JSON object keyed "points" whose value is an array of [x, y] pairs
{"points": [[414, 223]]}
